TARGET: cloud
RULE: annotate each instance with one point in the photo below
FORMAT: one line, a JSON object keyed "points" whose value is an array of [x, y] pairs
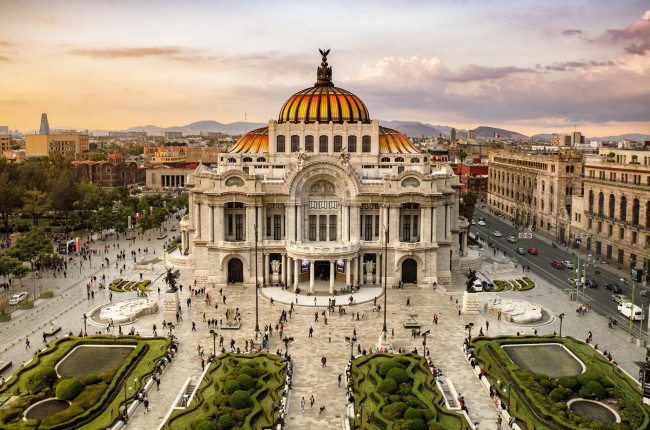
{"points": [[480, 73], [571, 65], [165, 51], [4, 58], [637, 34], [571, 32], [4, 43]]}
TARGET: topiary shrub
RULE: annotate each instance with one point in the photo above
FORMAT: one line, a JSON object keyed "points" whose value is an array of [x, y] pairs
{"points": [[231, 387], [412, 414], [91, 379], [559, 394], [240, 400], [587, 377], [221, 400], [568, 382], [245, 382], [387, 366], [247, 370], [417, 424], [69, 388], [398, 375], [41, 379], [226, 422], [205, 425], [394, 411], [240, 414], [592, 389], [388, 386], [394, 398]]}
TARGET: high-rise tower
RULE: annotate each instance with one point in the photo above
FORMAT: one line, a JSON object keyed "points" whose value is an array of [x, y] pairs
{"points": [[45, 127]]}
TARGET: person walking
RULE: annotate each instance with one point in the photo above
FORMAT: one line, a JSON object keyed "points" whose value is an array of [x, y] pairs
{"points": [[487, 325], [146, 405], [459, 309], [27, 343], [311, 331], [312, 401], [340, 376], [302, 404], [408, 301]]}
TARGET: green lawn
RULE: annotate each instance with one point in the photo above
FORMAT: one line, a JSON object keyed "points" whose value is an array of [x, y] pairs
{"points": [[412, 403], [540, 401], [215, 399]]}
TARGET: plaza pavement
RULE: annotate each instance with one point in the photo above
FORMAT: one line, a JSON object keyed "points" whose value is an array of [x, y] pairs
{"points": [[310, 378]]}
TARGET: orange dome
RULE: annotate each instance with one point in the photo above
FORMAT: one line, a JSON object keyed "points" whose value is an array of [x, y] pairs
{"points": [[394, 142], [324, 104], [254, 141]]}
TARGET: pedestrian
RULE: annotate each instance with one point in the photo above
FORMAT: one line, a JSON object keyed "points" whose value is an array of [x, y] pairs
{"points": [[435, 318], [330, 337], [27, 343], [193, 326], [302, 404], [408, 301], [311, 331], [459, 309], [312, 400], [157, 383], [146, 405], [202, 364], [340, 376], [487, 325]]}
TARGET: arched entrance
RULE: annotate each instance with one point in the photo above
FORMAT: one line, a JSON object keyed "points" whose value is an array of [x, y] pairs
{"points": [[235, 270], [409, 271]]}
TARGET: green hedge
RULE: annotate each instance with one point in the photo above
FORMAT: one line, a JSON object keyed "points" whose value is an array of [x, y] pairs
{"points": [[69, 388]]}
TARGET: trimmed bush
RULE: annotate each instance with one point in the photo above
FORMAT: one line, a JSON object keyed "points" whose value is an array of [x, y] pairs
{"points": [[398, 375], [587, 377], [394, 398], [222, 400], [245, 382], [592, 390], [386, 366], [395, 411], [417, 424], [231, 387], [247, 370], [205, 425], [240, 414], [69, 388], [41, 379], [388, 386], [568, 382], [559, 394], [226, 422], [240, 400], [412, 414], [91, 379]]}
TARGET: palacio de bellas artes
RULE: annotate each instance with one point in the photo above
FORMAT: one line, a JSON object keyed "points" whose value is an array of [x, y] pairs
{"points": [[318, 199]]}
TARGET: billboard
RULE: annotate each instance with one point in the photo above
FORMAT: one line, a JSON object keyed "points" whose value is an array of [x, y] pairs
{"points": [[304, 266], [340, 266]]}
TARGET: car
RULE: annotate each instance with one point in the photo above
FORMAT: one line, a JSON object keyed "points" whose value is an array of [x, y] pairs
{"points": [[591, 283], [532, 251], [473, 222], [17, 298], [497, 233], [520, 251], [557, 264], [568, 264], [613, 288], [481, 222], [620, 298], [511, 239], [574, 282]]}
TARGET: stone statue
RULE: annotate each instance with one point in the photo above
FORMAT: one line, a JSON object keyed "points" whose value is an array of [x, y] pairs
{"points": [[345, 158], [170, 279], [370, 267], [275, 266], [322, 188], [302, 158]]}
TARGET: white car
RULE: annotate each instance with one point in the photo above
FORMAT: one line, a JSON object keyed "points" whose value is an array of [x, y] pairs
{"points": [[473, 222], [568, 264], [497, 233], [17, 298], [481, 222]]}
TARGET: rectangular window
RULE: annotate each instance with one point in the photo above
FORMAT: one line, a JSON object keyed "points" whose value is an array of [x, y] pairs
{"points": [[621, 256], [590, 223], [600, 226], [239, 227], [229, 225], [312, 227], [415, 226], [332, 228], [634, 237], [609, 252], [368, 229], [377, 225], [406, 228], [277, 227], [599, 247], [632, 260], [268, 225], [621, 234], [322, 228], [611, 229]]}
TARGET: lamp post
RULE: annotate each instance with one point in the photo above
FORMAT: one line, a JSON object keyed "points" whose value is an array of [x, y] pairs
{"points": [[214, 343], [385, 330], [424, 343], [469, 328], [561, 316], [508, 407], [171, 327], [351, 340], [258, 335], [126, 405], [85, 318]]}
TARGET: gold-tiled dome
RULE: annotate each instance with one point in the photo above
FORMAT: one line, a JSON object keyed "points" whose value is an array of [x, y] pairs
{"points": [[393, 142], [253, 142]]}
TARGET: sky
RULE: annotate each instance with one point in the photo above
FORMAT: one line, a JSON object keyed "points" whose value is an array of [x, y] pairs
{"points": [[528, 66]]}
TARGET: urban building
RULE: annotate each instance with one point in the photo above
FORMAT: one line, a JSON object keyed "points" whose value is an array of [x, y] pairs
{"points": [[321, 192], [169, 176], [45, 125], [615, 223], [110, 174], [4, 129], [5, 142], [171, 135], [68, 143], [203, 154], [536, 188], [566, 139], [473, 175], [452, 135], [471, 134], [164, 154]]}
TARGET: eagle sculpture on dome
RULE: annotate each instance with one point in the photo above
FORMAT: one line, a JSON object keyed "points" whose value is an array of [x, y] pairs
{"points": [[324, 54], [324, 72]]}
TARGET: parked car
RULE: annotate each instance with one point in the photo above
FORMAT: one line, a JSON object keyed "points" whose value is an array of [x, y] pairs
{"points": [[532, 251], [574, 282], [497, 233], [620, 298], [613, 288], [17, 298], [481, 221], [511, 239], [520, 251], [557, 264], [568, 264], [591, 283]]}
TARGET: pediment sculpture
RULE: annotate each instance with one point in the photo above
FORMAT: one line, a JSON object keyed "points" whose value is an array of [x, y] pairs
{"points": [[322, 188]]}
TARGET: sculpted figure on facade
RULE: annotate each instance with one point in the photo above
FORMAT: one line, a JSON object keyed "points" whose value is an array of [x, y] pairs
{"points": [[370, 267], [275, 267], [322, 188]]}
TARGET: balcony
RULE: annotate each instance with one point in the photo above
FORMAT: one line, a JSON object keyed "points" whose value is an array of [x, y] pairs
{"points": [[323, 250]]}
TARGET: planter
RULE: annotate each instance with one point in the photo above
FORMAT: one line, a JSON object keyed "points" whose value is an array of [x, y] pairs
{"points": [[47, 294], [26, 305], [5, 317]]}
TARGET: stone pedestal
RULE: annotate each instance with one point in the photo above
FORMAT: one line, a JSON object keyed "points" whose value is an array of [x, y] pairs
{"points": [[275, 278], [170, 305], [384, 342], [470, 303], [370, 279]]}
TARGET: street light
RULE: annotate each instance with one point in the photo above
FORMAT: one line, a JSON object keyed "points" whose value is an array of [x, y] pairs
{"points": [[469, 327], [351, 340], [425, 334], [214, 343], [561, 316], [385, 330], [258, 334], [126, 405], [171, 327], [85, 332], [508, 407]]}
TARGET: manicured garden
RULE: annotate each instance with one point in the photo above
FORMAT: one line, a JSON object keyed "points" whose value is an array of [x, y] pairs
{"points": [[539, 401], [120, 286], [238, 391], [395, 392], [94, 388], [523, 284]]}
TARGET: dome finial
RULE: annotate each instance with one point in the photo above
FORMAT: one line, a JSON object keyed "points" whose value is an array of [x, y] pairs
{"points": [[324, 72]]}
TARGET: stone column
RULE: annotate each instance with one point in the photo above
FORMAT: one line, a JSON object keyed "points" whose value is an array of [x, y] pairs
{"points": [[355, 264], [248, 224], [423, 214], [346, 224], [183, 242], [261, 222], [354, 222], [197, 231], [394, 224], [299, 223], [289, 269], [332, 263], [339, 224], [296, 271], [219, 224], [267, 278], [465, 243], [211, 223], [434, 224], [311, 276], [290, 223], [284, 268], [348, 271]]}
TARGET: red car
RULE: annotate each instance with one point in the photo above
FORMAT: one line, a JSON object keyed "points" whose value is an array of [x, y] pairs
{"points": [[532, 251], [557, 265]]}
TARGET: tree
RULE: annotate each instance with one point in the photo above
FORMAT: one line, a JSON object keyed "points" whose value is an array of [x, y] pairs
{"points": [[10, 191], [12, 266], [467, 205], [35, 203], [33, 245], [98, 157], [462, 155]]}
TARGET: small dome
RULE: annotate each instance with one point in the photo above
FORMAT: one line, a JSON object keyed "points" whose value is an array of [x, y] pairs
{"points": [[393, 142], [252, 142], [324, 102]]}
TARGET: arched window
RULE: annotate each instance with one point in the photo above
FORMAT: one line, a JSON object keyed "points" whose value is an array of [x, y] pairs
{"points": [[352, 143], [365, 144], [543, 186], [232, 160], [247, 160], [309, 143], [399, 160], [338, 143], [601, 204], [295, 143], [415, 160], [261, 160], [322, 144], [385, 160], [612, 206], [623, 212], [591, 201], [635, 212], [279, 147]]}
